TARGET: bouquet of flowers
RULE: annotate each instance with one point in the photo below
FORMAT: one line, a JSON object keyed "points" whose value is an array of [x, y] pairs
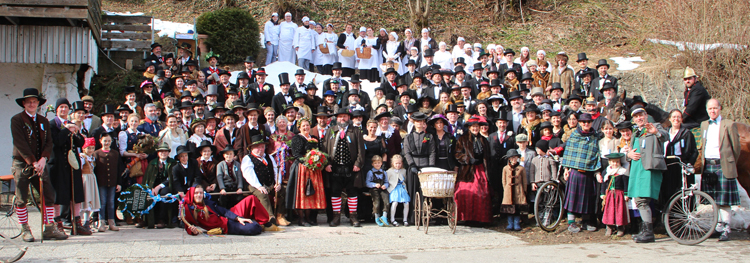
{"points": [[315, 160]]}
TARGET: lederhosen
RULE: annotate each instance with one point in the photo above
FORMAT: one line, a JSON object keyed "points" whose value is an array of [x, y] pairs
{"points": [[342, 177]]}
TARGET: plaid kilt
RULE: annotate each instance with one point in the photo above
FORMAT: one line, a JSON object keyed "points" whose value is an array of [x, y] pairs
{"points": [[725, 191], [580, 194]]}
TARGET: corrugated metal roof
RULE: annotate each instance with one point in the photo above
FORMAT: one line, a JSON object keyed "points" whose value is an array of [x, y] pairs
{"points": [[47, 44]]}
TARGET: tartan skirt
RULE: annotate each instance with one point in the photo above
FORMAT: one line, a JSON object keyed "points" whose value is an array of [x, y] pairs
{"points": [[580, 194], [725, 191]]}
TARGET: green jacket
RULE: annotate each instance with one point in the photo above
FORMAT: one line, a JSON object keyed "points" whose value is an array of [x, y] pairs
{"points": [[153, 167]]}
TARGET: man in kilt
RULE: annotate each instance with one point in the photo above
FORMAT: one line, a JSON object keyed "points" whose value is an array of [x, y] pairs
{"points": [[721, 148]]}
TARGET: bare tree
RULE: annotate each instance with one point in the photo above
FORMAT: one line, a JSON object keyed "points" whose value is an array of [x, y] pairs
{"points": [[419, 13]]}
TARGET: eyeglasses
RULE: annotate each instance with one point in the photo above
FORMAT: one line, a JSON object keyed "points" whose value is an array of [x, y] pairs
{"points": [[585, 122]]}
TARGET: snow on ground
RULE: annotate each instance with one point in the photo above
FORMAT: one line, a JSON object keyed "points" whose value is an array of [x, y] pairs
{"points": [[274, 69], [682, 46], [161, 27], [624, 64]]}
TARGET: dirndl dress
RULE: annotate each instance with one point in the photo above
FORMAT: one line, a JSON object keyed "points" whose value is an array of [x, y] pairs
{"points": [[615, 208], [399, 194]]}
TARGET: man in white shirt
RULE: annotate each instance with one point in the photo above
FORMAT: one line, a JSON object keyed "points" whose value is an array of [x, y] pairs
{"points": [[721, 151], [262, 173]]}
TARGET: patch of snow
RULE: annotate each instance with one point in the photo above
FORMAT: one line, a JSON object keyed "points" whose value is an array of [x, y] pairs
{"points": [[274, 69], [625, 64], [682, 46]]}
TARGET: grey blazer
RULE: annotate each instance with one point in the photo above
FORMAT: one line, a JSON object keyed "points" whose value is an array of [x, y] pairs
{"points": [[223, 179], [652, 155]]}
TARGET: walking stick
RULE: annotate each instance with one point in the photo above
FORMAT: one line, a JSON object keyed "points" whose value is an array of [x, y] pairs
{"points": [[43, 206], [72, 194]]}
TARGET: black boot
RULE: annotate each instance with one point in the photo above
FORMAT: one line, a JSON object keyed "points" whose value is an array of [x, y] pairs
{"points": [[640, 230], [336, 219], [648, 234]]}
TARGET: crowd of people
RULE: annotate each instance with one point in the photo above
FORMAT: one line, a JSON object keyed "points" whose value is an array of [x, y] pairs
{"points": [[504, 124]]}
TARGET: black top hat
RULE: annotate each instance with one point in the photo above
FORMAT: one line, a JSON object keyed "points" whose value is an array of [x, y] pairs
{"points": [[199, 101], [412, 108], [186, 104], [602, 62], [511, 71], [514, 95], [353, 92], [154, 45], [478, 66], [124, 107], [418, 116], [204, 144], [582, 56], [108, 109], [62, 101], [168, 55], [458, 69], [638, 99], [390, 96], [526, 76], [243, 75], [209, 115], [557, 85], [451, 108], [405, 93], [78, 105], [322, 112], [496, 83], [355, 79], [182, 149], [586, 71], [509, 51], [336, 66], [249, 59], [128, 90], [435, 71], [225, 72], [465, 85], [503, 115], [446, 72], [389, 71], [261, 71], [428, 98], [299, 72], [428, 53], [460, 60], [545, 124], [161, 74], [284, 78]]}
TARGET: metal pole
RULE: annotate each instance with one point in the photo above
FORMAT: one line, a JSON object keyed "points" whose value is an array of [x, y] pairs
{"points": [[43, 206], [72, 193]]}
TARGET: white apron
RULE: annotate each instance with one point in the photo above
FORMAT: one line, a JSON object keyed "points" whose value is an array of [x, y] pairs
{"points": [[286, 41]]}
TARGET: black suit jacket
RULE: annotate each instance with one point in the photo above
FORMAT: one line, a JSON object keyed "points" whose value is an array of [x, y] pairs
{"points": [[408, 78], [503, 67], [278, 102], [388, 88], [327, 86], [608, 78], [262, 97], [183, 178], [426, 68], [97, 134], [695, 105], [474, 84]]}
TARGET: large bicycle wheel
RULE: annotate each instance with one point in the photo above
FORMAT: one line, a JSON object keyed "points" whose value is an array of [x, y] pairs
{"points": [[452, 214], [9, 225], [548, 206], [691, 217], [417, 210]]}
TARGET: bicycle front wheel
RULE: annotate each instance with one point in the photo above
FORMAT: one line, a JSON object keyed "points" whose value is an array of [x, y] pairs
{"points": [[548, 206], [9, 225], [691, 217]]}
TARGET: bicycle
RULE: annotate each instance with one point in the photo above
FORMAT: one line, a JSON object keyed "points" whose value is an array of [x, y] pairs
{"points": [[9, 224], [548, 205], [691, 216]]}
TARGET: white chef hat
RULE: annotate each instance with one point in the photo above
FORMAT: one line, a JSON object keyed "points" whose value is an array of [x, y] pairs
{"points": [[305, 19], [442, 44], [499, 47], [461, 39], [479, 45], [288, 14], [414, 48], [467, 46], [274, 14], [541, 52], [312, 23], [362, 29], [424, 30], [491, 47]]}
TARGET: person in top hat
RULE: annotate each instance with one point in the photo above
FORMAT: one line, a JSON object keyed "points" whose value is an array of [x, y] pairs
{"points": [[312, 100], [500, 141], [299, 78], [337, 74], [696, 98], [345, 148], [476, 79], [408, 76], [109, 125], [602, 68], [245, 93], [156, 54], [263, 90], [285, 96], [472, 195], [389, 85], [427, 64], [508, 54], [583, 66], [32, 148], [249, 65], [418, 151]]}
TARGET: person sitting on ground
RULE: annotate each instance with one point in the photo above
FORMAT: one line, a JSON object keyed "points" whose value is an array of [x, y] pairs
{"points": [[198, 210]]}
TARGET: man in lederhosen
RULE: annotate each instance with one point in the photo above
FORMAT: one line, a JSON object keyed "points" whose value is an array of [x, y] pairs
{"points": [[721, 150], [345, 146], [32, 146]]}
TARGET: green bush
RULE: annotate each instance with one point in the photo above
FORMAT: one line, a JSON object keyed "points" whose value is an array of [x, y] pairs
{"points": [[232, 33], [109, 88]]}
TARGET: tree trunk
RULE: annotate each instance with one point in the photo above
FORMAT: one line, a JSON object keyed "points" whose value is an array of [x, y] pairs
{"points": [[419, 13]]}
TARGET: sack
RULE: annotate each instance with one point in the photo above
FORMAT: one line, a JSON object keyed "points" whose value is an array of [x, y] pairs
{"points": [[137, 169], [72, 158], [309, 189], [709, 179], [323, 48], [364, 53]]}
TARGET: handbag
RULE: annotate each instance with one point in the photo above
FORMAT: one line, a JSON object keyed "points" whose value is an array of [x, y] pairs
{"points": [[72, 158], [309, 189]]}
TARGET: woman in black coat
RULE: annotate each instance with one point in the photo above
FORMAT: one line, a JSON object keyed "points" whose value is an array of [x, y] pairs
{"points": [[69, 181], [681, 144], [444, 143]]}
